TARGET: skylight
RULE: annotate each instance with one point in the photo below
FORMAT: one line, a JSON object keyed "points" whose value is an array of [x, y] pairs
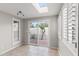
{"points": [[41, 7]]}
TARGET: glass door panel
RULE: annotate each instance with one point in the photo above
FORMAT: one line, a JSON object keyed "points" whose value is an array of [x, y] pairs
{"points": [[38, 33], [33, 34]]}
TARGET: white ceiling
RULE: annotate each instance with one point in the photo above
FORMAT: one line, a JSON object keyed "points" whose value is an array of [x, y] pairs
{"points": [[29, 10]]}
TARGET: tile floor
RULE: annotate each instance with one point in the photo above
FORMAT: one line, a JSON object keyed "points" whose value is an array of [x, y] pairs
{"points": [[28, 50]]}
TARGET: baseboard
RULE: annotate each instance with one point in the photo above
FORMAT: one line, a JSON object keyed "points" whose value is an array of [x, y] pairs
{"points": [[10, 49], [53, 48]]}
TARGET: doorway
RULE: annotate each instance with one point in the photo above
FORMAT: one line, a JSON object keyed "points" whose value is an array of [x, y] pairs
{"points": [[38, 33]]}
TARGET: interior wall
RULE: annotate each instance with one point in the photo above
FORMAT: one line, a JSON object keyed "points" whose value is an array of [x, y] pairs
{"points": [[25, 32], [53, 40], [53, 26], [5, 32], [22, 31]]}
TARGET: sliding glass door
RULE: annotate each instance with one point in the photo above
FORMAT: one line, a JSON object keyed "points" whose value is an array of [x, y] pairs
{"points": [[38, 33], [33, 33]]}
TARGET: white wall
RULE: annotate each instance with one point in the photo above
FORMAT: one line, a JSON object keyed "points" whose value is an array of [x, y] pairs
{"points": [[53, 40], [5, 32], [22, 31], [53, 32]]}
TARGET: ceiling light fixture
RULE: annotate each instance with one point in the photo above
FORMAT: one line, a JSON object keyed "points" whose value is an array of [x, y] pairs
{"points": [[19, 13]]}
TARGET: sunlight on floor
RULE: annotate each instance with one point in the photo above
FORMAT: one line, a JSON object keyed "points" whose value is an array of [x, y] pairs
{"points": [[27, 50]]}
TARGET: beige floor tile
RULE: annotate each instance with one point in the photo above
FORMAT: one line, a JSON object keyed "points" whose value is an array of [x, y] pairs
{"points": [[28, 50]]}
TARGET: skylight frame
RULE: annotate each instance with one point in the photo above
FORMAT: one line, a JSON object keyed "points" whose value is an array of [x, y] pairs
{"points": [[41, 9]]}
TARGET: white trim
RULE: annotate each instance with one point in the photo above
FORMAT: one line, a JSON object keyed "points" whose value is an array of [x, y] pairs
{"points": [[53, 47]]}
